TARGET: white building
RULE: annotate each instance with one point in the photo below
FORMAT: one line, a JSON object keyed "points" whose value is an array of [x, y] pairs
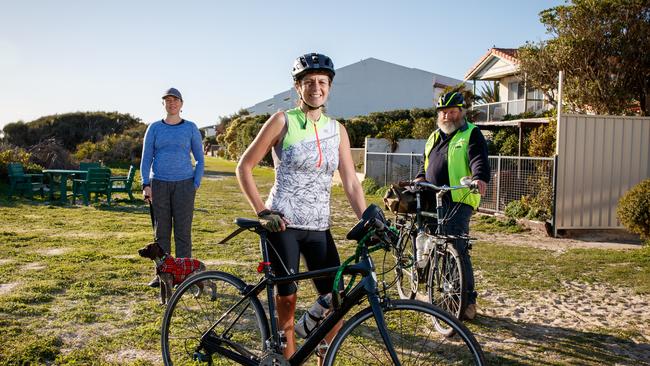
{"points": [[370, 85]]}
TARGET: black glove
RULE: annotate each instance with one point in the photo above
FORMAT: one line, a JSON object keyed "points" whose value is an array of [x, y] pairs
{"points": [[271, 220]]}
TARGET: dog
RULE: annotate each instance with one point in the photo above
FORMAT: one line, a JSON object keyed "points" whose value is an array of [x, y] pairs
{"points": [[172, 271]]}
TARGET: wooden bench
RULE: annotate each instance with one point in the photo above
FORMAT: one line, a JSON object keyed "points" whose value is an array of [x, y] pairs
{"points": [[24, 183]]}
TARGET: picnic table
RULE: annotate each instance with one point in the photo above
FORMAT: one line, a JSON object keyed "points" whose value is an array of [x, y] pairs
{"points": [[63, 175]]}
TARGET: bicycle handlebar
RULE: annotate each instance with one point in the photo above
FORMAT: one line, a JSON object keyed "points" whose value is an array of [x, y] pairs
{"points": [[465, 182]]}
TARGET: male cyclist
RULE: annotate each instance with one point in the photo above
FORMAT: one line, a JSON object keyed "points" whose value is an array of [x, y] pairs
{"points": [[455, 150]]}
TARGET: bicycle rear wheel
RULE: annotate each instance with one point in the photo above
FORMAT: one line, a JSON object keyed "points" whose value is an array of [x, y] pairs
{"points": [[415, 339], [447, 283], [191, 314], [405, 268]]}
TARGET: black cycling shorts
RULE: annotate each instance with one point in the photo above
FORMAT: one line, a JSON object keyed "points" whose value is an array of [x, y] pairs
{"points": [[318, 249]]}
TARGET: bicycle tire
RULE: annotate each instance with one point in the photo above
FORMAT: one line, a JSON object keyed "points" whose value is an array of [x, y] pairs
{"points": [[188, 317], [447, 283], [415, 339], [406, 273]]}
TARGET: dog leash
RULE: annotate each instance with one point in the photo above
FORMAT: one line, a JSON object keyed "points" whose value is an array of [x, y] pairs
{"points": [[153, 220]]}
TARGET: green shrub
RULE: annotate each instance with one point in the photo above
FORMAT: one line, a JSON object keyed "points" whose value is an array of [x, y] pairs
{"points": [[518, 209], [13, 154], [240, 133], [423, 127], [381, 191], [124, 148], [542, 140], [633, 210], [369, 186], [69, 129]]}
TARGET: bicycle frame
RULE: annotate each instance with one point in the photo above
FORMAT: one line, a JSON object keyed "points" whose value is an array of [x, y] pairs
{"points": [[367, 287]]}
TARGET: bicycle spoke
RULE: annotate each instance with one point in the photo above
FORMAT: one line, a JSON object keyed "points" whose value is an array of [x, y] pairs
{"points": [[415, 339]]}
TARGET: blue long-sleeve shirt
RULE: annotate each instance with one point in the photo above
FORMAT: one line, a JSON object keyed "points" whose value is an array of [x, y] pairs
{"points": [[166, 153]]}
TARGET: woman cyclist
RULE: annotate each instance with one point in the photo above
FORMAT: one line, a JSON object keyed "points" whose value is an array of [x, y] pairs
{"points": [[307, 148]]}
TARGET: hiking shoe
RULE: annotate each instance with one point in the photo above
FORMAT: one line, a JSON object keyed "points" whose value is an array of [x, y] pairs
{"points": [[154, 283], [470, 312]]}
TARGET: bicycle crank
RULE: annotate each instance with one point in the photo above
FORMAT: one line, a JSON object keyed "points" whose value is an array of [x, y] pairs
{"points": [[274, 359]]}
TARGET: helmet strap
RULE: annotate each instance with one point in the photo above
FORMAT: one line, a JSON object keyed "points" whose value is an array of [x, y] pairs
{"points": [[309, 106]]}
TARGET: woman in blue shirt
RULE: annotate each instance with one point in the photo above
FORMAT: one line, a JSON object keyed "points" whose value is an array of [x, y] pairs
{"points": [[169, 180]]}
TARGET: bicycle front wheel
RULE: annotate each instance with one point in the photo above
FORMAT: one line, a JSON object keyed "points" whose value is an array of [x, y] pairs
{"points": [[197, 322], [447, 283], [405, 268], [414, 337]]}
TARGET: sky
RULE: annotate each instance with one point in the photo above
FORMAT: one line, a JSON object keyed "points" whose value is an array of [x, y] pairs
{"points": [[79, 55]]}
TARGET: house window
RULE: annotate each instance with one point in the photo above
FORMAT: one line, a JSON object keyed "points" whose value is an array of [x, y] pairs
{"points": [[535, 94], [515, 90]]}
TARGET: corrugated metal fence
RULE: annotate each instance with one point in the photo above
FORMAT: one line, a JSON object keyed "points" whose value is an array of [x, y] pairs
{"points": [[599, 159]]}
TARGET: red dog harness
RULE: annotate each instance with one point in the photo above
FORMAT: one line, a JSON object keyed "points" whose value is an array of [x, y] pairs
{"points": [[179, 267]]}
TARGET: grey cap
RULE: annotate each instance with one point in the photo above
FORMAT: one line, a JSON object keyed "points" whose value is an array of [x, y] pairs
{"points": [[174, 93]]}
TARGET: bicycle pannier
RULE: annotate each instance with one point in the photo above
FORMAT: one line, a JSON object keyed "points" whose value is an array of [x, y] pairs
{"points": [[402, 200]]}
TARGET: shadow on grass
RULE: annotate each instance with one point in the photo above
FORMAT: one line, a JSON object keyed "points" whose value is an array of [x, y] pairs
{"points": [[551, 345]]}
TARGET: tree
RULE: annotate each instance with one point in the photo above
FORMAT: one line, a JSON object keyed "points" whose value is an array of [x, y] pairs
{"points": [[69, 129], [395, 130], [604, 48], [489, 93]]}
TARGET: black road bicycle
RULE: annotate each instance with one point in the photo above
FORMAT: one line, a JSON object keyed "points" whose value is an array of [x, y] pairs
{"points": [[236, 329], [438, 265]]}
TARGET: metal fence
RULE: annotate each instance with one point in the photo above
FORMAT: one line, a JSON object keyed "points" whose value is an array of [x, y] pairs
{"points": [[512, 177], [515, 177], [386, 168]]}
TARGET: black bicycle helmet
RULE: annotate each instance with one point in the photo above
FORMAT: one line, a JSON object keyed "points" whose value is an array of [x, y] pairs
{"points": [[451, 99], [312, 62]]}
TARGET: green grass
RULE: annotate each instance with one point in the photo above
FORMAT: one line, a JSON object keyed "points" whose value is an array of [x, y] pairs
{"points": [[491, 224], [78, 293]]}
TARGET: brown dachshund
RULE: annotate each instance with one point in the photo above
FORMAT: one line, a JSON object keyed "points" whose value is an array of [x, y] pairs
{"points": [[172, 271]]}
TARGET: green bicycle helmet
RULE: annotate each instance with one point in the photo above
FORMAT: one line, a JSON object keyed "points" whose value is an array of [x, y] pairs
{"points": [[312, 62], [451, 99]]}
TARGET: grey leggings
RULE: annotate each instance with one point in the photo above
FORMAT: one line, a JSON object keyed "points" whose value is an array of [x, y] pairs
{"points": [[173, 205]]}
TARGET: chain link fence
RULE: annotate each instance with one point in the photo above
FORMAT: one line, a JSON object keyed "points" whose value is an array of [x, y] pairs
{"points": [[512, 177]]}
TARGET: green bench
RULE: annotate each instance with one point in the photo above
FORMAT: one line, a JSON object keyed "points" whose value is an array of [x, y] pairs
{"points": [[97, 181], [21, 182], [124, 183]]}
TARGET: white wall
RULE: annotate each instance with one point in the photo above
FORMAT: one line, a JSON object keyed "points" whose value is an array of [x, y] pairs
{"points": [[370, 85]]}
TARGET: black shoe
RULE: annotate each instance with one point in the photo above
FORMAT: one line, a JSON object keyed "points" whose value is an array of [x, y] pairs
{"points": [[154, 283], [470, 312]]}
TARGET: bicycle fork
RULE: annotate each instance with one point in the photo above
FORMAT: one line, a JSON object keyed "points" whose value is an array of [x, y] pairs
{"points": [[375, 305]]}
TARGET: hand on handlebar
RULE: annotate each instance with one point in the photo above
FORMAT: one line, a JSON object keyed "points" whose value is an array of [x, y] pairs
{"points": [[272, 221], [480, 186]]}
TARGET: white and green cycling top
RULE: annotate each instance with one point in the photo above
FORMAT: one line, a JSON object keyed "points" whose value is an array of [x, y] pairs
{"points": [[305, 161]]}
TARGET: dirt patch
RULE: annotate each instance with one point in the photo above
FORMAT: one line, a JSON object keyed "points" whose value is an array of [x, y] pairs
{"points": [[53, 251], [575, 305], [33, 266], [130, 355], [217, 263], [125, 256], [540, 240], [6, 288], [549, 320], [5, 261]]}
